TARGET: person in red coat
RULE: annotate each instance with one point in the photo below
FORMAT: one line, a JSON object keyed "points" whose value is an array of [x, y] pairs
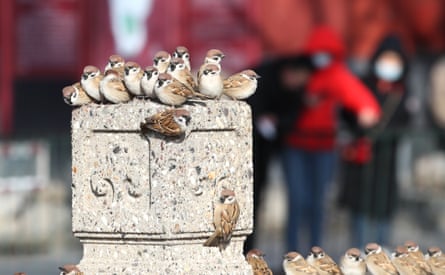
{"points": [[308, 155]]}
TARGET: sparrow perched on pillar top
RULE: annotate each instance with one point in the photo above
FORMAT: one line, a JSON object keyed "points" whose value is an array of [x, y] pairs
{"points": [[91, 77], [211, 82], [113, 88], [70, 269], [117, 63], [75, 95], [213, 56], [171, 123], [241, 85], [377, 261], [132, 78], [178, 70], [416, 255], [322, 262], [295, 264], [255, 258], [352, 263], [161, 60], [172, 92], [404, 264], [148, 81], [436, 260], [225, 217], [183, 52]]}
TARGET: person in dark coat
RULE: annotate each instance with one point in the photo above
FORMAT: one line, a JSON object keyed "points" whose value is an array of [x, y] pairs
{"points": [[368, 161]]}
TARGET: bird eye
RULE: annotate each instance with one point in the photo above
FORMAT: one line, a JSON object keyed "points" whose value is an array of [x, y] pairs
{"points": [[215, 58], [186, 55]]}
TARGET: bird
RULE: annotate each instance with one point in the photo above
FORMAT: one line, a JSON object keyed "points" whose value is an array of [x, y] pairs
{"points": [[322, 262], [172, 92], [132, 78], [225, 217], [117, 63], [19, 273], [91, 77], [178, 70], [211, 82], [70, 269], [213, 56], [161, 60], [377, 261], [113, 88], [255, 258], [404, 264], [295, 264], [416, 255], [183, 52], [352, 263], [241, 85], [148, 81], [75, 95], [436, 260], [171, 123]]}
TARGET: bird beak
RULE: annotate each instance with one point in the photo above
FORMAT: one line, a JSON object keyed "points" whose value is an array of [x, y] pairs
{"points": [[127, 70], [172, 67], [85, 76]]}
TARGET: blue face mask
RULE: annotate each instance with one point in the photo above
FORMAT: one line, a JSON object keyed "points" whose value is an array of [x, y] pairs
{"points": [[321, 60]]}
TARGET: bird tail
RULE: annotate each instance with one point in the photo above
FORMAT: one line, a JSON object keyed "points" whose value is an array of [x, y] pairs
{"points": [[212, 240]]}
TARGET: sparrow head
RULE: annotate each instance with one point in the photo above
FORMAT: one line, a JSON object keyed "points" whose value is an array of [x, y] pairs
{"points": [[176, 64], [69, 93], [434, 251], [90, 71], [150, 71], [182, 117], [373, 248], [214, 56], [68, 268], [250, 74], [211, 69], [411, 246], [255, 253], [131, 67], [353, 254], [161, 57], [181, 52], [292, 256], [227, 196], [400, 252], [317, 252], [116, 61], [164, 79]]}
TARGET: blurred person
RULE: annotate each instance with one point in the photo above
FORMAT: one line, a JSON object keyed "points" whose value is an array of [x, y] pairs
{"points": [[274, 107], [368, 160], [308, 153]]}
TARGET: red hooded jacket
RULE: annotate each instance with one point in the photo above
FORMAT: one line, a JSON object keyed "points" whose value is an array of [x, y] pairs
{"points": [[315, 127]]}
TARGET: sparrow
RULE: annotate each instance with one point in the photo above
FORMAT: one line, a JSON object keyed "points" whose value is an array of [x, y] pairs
{"points": [[170, 123], [183, 52], [75, 95], [352, 263], [210, 82], [213, 56], [117, 63], [255, 258], [161, 61], [404, 264], [90, 80], [148, 81], [178, 70], [436, 260], [19, 273], [377, 261], [225, 216], [113, 88], [322, 262], [172, 92], [70, 269], [241, 85], [295, 264], [416, 256], [132, 78]]}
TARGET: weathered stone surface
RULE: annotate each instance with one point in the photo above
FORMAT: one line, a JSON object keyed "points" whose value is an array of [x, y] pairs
{"points": [[143, 204]]}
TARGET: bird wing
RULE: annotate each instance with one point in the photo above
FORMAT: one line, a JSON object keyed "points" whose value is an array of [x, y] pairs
{"points": [[180, 89], [163, 123], [118, 85], [326, 264], [387, 266], [234, 81]]}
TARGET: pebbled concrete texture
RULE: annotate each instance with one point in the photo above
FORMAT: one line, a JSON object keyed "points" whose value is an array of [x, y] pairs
{"points": [[143, 204]]}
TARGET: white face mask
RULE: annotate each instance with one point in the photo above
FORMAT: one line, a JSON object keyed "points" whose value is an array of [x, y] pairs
{"points": [[321, 60], [388, 71]]}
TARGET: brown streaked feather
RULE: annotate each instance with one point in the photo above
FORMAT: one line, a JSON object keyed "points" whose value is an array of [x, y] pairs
{"points": [[234, 81], [164, 123]]}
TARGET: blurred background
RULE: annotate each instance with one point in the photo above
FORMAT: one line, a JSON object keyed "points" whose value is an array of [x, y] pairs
{"points": [[44, 46]]}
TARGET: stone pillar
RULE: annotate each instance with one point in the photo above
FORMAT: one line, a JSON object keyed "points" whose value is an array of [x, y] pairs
{"points": [[143, 204]]}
